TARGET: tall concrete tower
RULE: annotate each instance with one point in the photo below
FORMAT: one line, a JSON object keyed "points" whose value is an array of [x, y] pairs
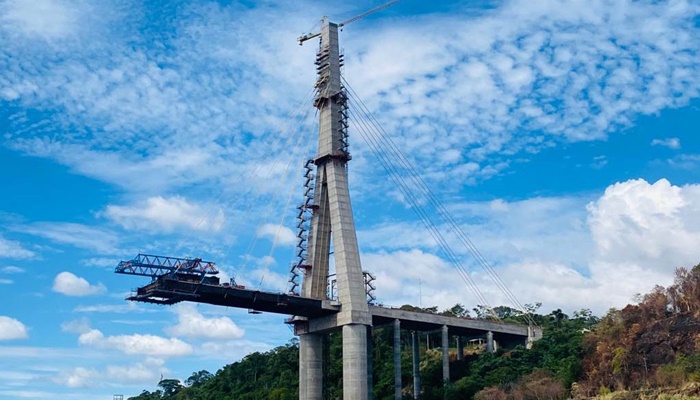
{"points": [[332, 222]]}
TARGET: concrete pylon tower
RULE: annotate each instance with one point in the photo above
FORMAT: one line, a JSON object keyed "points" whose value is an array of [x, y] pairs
{"points": [[332, 222]]}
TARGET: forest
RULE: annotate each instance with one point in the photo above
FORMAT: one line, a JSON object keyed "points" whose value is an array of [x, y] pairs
{"points": [[639, 351]]}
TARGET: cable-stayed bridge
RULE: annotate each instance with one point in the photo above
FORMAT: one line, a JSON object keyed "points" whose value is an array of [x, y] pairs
{"points": [[321, 304]]}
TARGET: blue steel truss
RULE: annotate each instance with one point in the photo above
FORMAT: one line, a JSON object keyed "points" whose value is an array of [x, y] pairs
{"points": [[155, 266]]}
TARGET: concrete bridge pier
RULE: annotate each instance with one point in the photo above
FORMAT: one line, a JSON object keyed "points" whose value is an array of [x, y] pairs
{"points": [[311, 366], [460, 348], [489, 342], [416, 366], [370, 366], [397, 360], [531, 337], [355, 362], [445, 356]]}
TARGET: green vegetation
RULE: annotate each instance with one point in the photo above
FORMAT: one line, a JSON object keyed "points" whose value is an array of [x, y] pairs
{"points": [[647, 350]]}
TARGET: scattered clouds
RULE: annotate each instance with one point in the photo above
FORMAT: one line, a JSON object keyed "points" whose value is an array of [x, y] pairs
{"points": [[13, 249], [6, 281], [158, 120], [11, 329], [78, 235], [141, 372], [562, 70], [101, 262], [232, 349], [599, 162], [166, 215], [12, 270], [149, 345], [72, 285], [193, 324], [45, 19], [605, 249], [671, 143], [77, 377], [122, 308], [281, 235], [79, 326], [689, 162]]}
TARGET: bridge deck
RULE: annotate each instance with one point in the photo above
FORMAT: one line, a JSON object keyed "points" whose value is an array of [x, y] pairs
{"points": [[171, 291], [426, 322], [166, 290]]}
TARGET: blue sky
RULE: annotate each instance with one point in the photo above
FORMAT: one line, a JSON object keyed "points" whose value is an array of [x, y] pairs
{"points": [[561, 134]]}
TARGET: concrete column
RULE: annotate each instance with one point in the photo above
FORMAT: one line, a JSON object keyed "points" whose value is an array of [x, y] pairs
{"points": [[311, 366], [370, 367], [460, 348], [489, 342], [397, 360], [445, 356], [416, 366], [530, 337], [354, 362]]}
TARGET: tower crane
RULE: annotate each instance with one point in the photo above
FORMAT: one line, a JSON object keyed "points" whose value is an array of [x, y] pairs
{"points": [[367, 13]]}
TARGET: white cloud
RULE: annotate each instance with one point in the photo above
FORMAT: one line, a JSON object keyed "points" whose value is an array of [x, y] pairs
{"points": [[47, 19], [78, 235], [102, 262], [652, 225], [138, 373], [232, 349], [534, 76], [72, 285], [193, 324], [527, 82], [122, 308], [671, 143], [149, 345], [689, 162], [78, 377], [12, 270], [166, 215], [13, 249], [145, 372], [281, 235], [6, 281], [11, 329], [568, 253], [80, 325]]}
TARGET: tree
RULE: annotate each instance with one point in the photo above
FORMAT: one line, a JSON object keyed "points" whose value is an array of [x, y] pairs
{"points": [[457, 310], [198, 378], [170, 387]]}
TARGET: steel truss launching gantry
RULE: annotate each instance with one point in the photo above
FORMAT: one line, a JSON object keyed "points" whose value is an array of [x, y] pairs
{"points": [[155, 266]]}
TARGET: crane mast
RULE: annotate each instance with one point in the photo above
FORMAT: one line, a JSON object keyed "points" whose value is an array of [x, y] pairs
{"points": [[308, 36]]}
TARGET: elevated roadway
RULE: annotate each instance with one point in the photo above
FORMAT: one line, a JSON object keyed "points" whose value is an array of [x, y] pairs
{"points": [[321, 315]]}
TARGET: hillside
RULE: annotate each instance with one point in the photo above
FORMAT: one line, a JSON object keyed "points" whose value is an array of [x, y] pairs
{"points": [[647, 350]]}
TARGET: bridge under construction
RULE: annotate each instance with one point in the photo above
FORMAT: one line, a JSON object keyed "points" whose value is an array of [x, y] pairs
{"points": [[326, 228]]}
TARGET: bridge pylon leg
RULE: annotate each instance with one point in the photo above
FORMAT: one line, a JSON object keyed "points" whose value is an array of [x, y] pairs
{"points": [[311, 366]]}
